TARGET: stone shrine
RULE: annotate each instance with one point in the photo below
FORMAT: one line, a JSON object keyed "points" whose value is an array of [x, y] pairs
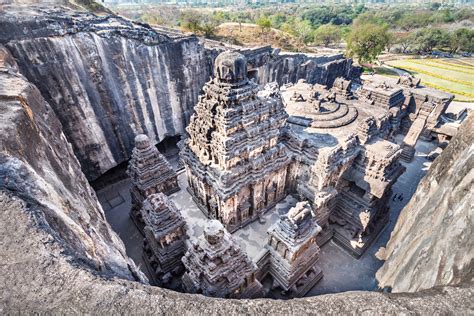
{"points": [[294, 251], [217, 267], [341, 161], [361, 208], [165, 238], [150, 173], [235, 164]]}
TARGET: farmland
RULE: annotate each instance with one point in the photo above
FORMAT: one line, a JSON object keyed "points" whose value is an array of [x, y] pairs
{"points": [[453, 75]]}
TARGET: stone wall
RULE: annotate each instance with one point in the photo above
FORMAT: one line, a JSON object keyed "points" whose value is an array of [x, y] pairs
{"points": [[432, 242]]}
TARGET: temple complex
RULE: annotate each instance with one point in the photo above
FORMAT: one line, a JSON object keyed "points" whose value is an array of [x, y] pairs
{"points": [[343, 160], [165, 238], [330, 152], [235, 164], [294, 251], [422, 108], [216, 266], [150, 173]]}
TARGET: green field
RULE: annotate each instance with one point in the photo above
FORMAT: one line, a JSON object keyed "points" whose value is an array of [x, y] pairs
{"points": [[452, 75]]}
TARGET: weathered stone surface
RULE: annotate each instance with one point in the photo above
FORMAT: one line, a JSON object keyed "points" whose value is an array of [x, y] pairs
{"points": [[235, 165], [216, 266], [37, 164], [108, 79], [165, 238], [59, 255], [37, 275], [150, 173], [294, 252], [432, 242]]}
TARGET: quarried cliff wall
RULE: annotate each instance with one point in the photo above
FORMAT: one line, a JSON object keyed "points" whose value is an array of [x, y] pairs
{"points": [[38, 166], [432, 244], [108, 79]]}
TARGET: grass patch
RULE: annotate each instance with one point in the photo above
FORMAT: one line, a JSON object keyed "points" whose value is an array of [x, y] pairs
{"points": [[443, 65]]}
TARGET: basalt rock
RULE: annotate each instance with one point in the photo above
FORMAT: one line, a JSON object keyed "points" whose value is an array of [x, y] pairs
{"points": [[107, 79], [38, 166], [432, 242]]}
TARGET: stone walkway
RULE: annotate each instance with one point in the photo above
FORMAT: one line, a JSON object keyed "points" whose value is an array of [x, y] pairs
{"points": [[341, 271]]}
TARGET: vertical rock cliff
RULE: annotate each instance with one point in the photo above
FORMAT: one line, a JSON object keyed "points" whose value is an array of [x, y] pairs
{"points": [[107, 79], [38, 166], [432, 244]]}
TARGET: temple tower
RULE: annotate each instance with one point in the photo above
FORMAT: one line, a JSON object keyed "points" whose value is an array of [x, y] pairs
{"points": [[294, 251], [165, 238], [216, 266], [150, 173], [236, 167]]}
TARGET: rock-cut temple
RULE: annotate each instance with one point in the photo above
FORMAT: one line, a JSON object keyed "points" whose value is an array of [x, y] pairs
{"points": [[331, 148]]}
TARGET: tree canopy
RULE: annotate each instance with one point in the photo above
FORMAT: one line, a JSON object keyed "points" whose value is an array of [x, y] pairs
{"points": [[366, 41], [327, 34]]}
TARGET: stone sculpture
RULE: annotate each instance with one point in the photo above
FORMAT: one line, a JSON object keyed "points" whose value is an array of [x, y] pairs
{"points": [[216, 266], [294, 251]]}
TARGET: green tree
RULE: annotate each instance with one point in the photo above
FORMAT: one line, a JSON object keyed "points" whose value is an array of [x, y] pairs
{"points": [[278, 20], [404, 40], [209, 25], [302, 31], [327, 34], [264, 23], [461, 39], [191, 20], [367, 41], [239, 17], [429, 39]]}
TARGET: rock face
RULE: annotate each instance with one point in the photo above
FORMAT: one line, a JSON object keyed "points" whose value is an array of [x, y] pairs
{"points": [[38, 276], [432, 242], [108, 79], [37, 165], [58, 254]]}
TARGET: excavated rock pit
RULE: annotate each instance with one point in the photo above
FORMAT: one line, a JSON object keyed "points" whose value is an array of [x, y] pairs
{"points": [[58, 252]]}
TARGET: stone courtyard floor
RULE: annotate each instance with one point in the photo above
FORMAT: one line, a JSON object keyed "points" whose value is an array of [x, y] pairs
{"points": [[341, 271]]}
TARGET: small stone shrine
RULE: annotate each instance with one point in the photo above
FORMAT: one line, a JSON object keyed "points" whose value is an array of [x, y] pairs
{"points": [[165, 238], [216, 266], [150, 173], [294, 251]]}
